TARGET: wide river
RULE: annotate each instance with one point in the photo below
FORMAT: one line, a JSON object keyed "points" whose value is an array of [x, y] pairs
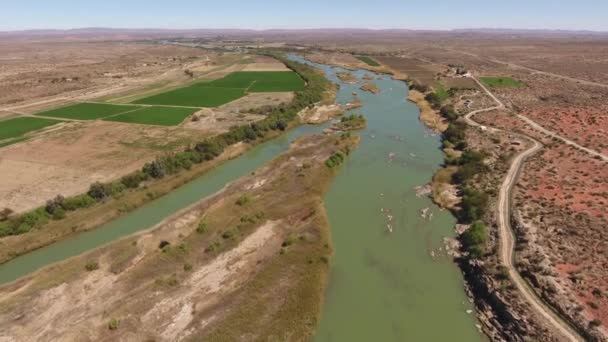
{"points": [[383, 286]]}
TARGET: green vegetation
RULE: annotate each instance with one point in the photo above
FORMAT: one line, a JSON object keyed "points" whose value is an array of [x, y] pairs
{"points": [[470, 164], [243, 200], [91, 266], [228, 89], [202, 227], [501, 82], [277, 119], [88, 111], [474, 239], [455, 135], [114, 324], [261, 81], [438, 96], [442, 93], [198, 95], [351, 122], [335, 160], [368, 60], [14, 128], [474, 205], [162, 116]]}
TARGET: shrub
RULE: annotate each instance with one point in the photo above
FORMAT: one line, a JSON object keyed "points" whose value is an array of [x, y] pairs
{"points": [[5, 214], [77, 202], [202, 227], [474, 205], [134, 180], [91, 266], [114, 324], [58, 214], [243, 200], [474, 239], [54, 204], [97, 191], [334, 160]]}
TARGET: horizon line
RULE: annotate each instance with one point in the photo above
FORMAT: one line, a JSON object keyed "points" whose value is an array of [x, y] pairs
{"points": [[304, 29]]}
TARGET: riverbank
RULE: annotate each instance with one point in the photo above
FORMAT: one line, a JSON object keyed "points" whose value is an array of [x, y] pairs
{"points": [[431, 118], [476, 162], [212, 262], [106, 202]]}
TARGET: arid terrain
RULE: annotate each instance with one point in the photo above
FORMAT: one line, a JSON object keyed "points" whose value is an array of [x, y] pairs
{"points": [[68, 157], [557, 209], [561, 198], [203, 273]]}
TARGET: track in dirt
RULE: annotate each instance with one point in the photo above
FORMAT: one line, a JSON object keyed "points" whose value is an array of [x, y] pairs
{"points": [[507, 236]]}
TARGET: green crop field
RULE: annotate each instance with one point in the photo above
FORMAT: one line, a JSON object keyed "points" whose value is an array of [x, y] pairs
{"points": [[261, 81], [501, 82], [162, 116], [87, 111], [17, 127], [227, 89], [198, 95], [368, 60]]}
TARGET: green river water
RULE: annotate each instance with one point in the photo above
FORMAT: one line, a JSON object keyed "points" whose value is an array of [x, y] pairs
{"points": [[383, 286]]}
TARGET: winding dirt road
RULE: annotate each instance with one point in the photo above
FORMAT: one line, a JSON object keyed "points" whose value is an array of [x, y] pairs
{"points": [[506, 236]]}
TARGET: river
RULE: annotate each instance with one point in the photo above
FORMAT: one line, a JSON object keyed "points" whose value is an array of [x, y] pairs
{"points": [[383, 286], [386, 286]]}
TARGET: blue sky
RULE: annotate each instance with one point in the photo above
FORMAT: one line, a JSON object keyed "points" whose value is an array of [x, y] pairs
{"points": [[254, 14]]}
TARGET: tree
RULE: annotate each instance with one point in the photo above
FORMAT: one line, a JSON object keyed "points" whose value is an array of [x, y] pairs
{"points": [[474, 239], [97, 191], [189, 73]]}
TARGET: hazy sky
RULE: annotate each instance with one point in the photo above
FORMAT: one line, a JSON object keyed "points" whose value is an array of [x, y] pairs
{"points": [[254, 14]]}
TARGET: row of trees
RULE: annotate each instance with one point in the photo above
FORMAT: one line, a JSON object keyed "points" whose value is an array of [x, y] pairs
{"points": [[277, 119], [470, 163]]}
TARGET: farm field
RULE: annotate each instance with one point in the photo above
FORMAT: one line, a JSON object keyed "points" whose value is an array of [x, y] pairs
{"points": [[232, 87], [368, 60], [87, 111], [261, 81], [198, 95], [501, 82], [14, 128], [161, 116]]}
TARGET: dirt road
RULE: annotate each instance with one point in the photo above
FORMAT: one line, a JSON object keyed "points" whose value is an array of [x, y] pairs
{"points": [[507, 238], [564, 140]]}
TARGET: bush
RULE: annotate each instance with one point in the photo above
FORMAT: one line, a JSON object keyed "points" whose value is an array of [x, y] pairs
{"points": [[449, 113], [114, 324], [474, 205], [433, 99], [58, 214], [77, 202], [455, 134], [243, 200], [133, 181], [334, 160], [91, 266], [202, 227], [5, 214], [54, 204]]}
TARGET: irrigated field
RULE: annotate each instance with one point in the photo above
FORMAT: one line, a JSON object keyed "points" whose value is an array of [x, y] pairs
{"points": [[87, 111], [368, 60], [17, 127], [501, 82], [198, 95], [261, 81], [227, 89], [162, 116]]}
